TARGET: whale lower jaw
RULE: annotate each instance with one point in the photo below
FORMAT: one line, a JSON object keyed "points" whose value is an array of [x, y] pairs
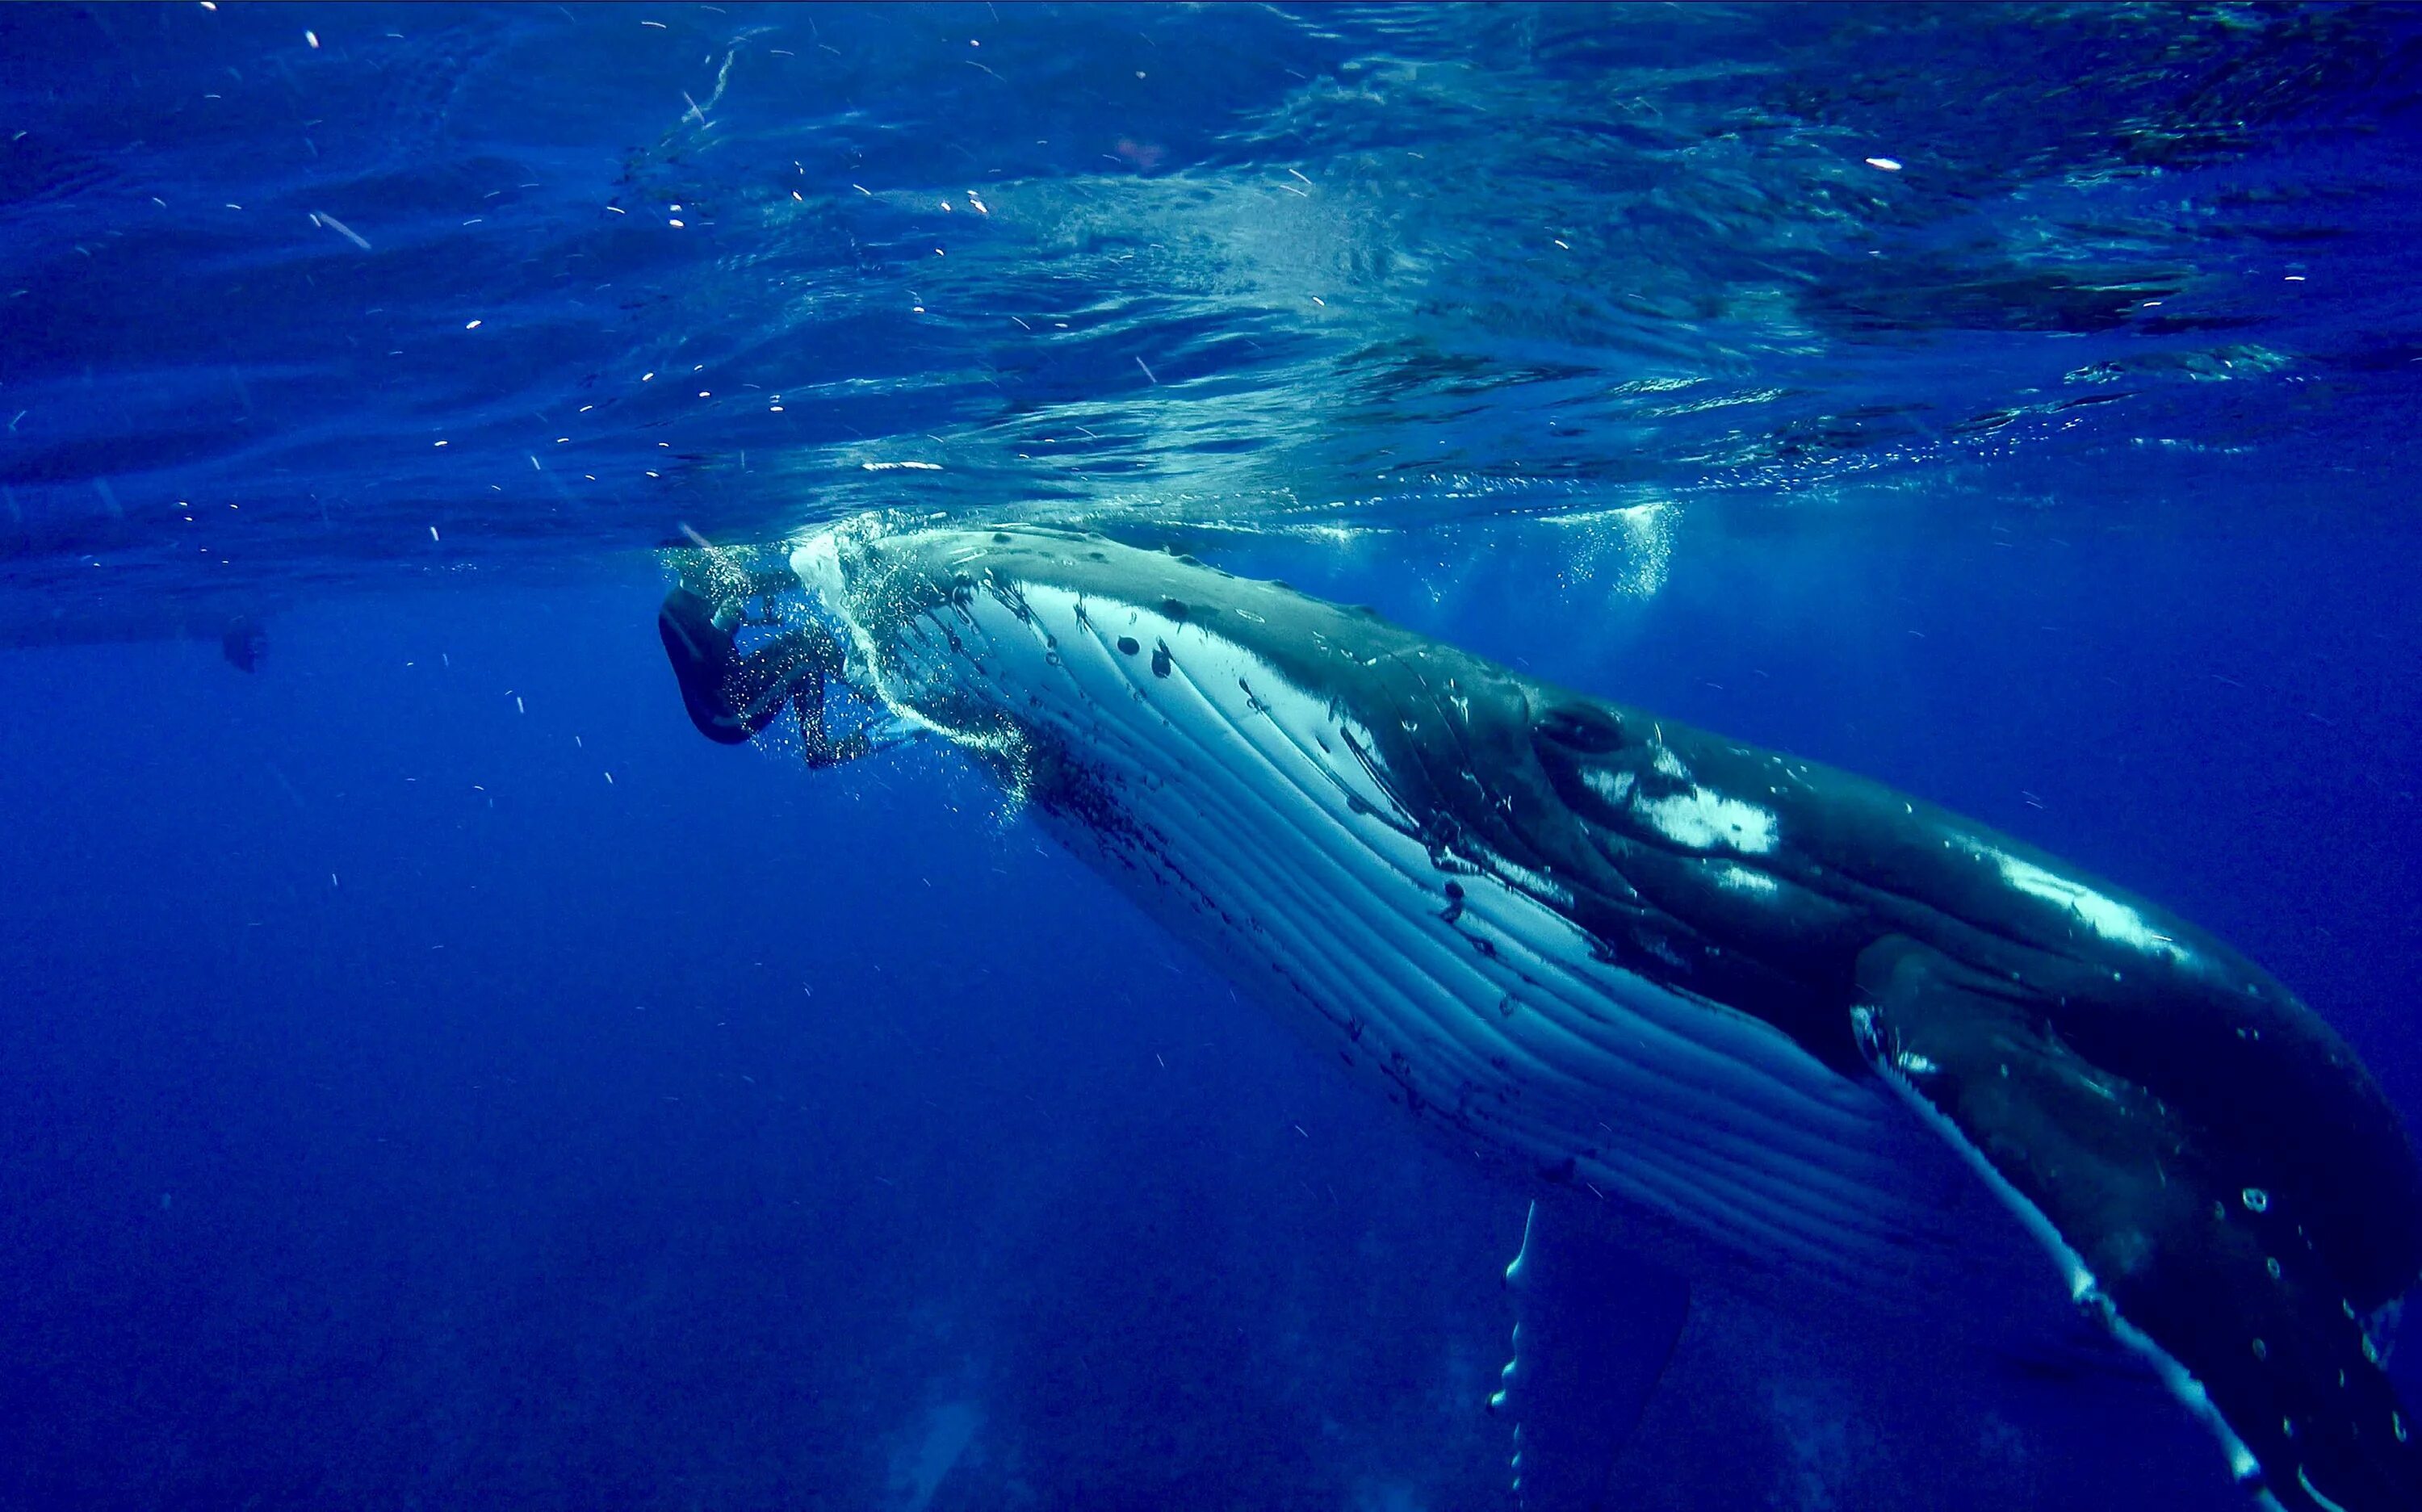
{"points": [[1244, 810]]}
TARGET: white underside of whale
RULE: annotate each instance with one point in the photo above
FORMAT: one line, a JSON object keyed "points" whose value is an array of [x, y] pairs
{"points": [[1257, 829], [1245, 815]]}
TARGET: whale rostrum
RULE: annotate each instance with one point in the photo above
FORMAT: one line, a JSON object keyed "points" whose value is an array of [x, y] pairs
{"points": [[1761, 1003]]}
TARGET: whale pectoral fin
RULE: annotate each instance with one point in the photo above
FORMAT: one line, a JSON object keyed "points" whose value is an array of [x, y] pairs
{"points": [[2211, 1278], [1594, 1328]]}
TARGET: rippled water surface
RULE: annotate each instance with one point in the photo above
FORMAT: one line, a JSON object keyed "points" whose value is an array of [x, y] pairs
{"points": [[430, 1075], [555, 280]]}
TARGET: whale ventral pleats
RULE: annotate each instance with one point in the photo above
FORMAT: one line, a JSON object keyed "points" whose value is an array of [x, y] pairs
{"points": [[1767, 1006]]}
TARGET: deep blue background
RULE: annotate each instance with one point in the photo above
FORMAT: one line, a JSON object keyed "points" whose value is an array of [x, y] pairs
{"points": [[521, 1162], [396, 1112]]}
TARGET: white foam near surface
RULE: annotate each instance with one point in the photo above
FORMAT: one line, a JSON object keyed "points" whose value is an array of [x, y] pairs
{"points": [[816, 562]]}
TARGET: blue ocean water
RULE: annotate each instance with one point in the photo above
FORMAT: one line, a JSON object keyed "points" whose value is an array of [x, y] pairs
{"points": [[431, 1076]]}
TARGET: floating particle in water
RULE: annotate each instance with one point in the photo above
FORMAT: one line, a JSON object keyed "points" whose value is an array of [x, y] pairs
{"points": [[321, 217]]}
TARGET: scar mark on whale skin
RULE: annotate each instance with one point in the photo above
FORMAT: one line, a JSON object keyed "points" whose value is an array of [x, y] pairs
{"points": [[1701, 820]]}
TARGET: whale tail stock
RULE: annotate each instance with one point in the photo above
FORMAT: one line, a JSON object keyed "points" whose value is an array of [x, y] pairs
{"points": [[2217, 1282]]}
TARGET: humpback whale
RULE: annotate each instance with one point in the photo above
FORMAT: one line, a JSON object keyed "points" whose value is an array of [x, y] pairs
{"points": [[1764, 1007]]}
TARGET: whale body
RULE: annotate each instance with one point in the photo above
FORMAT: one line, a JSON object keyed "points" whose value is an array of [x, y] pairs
{"points": [[1769, 1007]]}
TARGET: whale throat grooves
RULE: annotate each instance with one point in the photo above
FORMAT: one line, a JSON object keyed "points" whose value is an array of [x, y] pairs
{"points": [[1788, 1014]]}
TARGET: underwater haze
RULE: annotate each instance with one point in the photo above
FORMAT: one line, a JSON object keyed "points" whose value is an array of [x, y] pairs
{"points": [[431, 1076]]}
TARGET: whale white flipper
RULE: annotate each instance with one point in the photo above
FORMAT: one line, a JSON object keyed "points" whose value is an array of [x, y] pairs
{"points": [[1594, 1330]]}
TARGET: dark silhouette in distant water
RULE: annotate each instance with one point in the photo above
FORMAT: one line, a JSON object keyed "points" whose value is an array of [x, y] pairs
{"points": [[243, 642]]}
